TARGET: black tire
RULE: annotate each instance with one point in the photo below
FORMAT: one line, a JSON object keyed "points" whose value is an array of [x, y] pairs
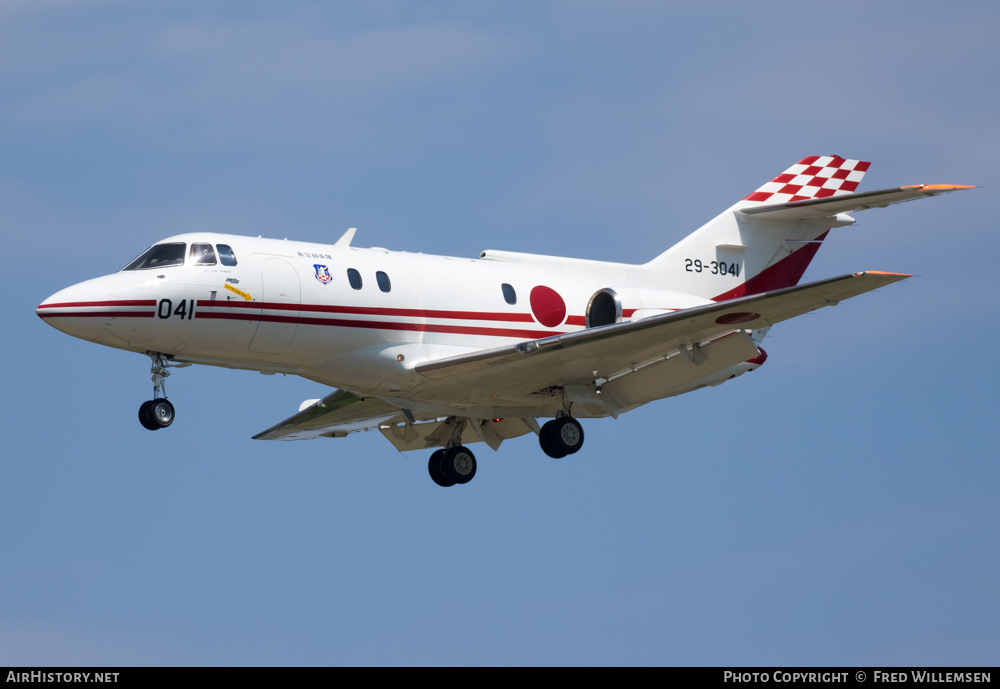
{"points": [[161, 412], [434, 469], [546, 440], [145, 418], [567, 434], [459, 464]]}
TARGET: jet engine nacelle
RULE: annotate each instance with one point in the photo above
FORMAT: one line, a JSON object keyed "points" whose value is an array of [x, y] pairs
{"points": [[616, 304]]}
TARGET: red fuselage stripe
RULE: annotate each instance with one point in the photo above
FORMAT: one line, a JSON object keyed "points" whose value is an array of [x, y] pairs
{"points": [[370, 310], [241, 308], [97, 314], [120, 302], [381, 325]]}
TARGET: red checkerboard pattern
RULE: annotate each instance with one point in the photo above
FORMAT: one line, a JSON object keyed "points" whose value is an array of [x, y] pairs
{"points": [[815, 177]]}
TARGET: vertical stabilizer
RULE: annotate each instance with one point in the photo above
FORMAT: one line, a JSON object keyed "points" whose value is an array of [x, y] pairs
{"points": [[815, 177], [736, 254]]}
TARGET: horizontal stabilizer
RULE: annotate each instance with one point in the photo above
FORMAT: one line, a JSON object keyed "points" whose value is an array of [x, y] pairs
{"points": [[846, 203]]}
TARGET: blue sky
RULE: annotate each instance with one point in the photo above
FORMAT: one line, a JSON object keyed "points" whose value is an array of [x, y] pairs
{"points": [[838, 506]]}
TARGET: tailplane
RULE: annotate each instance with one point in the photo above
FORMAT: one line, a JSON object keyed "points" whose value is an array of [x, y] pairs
{"points": [[767, 240]]}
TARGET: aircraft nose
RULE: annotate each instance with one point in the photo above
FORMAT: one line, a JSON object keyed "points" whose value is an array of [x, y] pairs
{"points": [[80, 310]]}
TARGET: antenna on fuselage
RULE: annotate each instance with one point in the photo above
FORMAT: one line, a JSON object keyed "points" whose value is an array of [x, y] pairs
{"points": [[345, 239]]}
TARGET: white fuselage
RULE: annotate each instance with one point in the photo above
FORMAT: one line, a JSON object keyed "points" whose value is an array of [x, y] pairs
{"points": [[290, 307]]}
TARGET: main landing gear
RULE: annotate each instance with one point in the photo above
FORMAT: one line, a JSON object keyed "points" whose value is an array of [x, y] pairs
{"points": [[561, 436], [158, 412], [456, 464]]}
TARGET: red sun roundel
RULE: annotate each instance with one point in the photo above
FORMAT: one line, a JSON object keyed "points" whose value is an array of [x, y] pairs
{"points": [[547, 306]]}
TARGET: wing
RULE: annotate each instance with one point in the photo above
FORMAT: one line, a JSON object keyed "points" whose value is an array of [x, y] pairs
{"points": [[675, 352], [342, 412], [845, 203], [336, 415], [517, 374]]}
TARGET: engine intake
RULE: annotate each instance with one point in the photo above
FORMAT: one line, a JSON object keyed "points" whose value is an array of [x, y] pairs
{"points": [[604, 308]]}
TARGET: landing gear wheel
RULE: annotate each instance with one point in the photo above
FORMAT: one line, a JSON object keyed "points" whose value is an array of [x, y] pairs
{"points": [[561, 436], [156, 414], [458, 464], [545, 440], [434, 469], [145, 419], [162, 412], [568, 433]]}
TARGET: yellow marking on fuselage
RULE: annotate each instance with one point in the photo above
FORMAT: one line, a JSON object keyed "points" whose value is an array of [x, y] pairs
{"points": [[238, 291]]}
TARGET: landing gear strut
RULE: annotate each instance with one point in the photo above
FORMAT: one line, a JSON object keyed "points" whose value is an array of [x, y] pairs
{"points": [[158, 412]]}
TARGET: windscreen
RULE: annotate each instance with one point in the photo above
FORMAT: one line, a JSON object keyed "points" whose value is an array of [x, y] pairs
{"points": [[159, 256]]}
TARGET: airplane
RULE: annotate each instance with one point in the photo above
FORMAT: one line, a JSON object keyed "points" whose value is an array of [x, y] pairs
{"points": [[442, 352]]}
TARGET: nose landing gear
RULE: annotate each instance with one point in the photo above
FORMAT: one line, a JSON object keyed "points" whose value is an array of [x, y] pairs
{"points": [[158, 412]]}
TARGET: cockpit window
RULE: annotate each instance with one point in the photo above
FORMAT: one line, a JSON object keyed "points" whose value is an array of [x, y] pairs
{"points": [[159, 256], [202, 255], [226, 255]]}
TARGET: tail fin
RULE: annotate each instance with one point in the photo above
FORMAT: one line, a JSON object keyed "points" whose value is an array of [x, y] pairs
{"points": [[815, 177], [737, 254]]}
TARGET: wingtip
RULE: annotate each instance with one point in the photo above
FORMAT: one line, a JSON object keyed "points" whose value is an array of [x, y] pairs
{"points": [[939, 187], [884, 274]]}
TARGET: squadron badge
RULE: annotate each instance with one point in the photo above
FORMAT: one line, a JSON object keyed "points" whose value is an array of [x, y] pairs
{"points": [[322, 273]]}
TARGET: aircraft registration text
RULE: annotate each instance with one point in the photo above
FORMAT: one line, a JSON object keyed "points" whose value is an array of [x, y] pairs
{"points": [[713, 267]]}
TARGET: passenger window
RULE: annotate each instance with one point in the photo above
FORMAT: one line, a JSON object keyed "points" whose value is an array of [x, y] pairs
{"points": [[354, 277], [226, 255], [202, 255], [509, 295], [383, 281], [159, 256]]}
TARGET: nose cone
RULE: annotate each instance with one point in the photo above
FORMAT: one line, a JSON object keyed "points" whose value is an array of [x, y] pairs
{"points": [[81, 310]]}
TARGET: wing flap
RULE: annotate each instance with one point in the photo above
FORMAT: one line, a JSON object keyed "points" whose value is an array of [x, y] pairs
{"points": [[846, 203], [437, 433], [674, 374]]}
